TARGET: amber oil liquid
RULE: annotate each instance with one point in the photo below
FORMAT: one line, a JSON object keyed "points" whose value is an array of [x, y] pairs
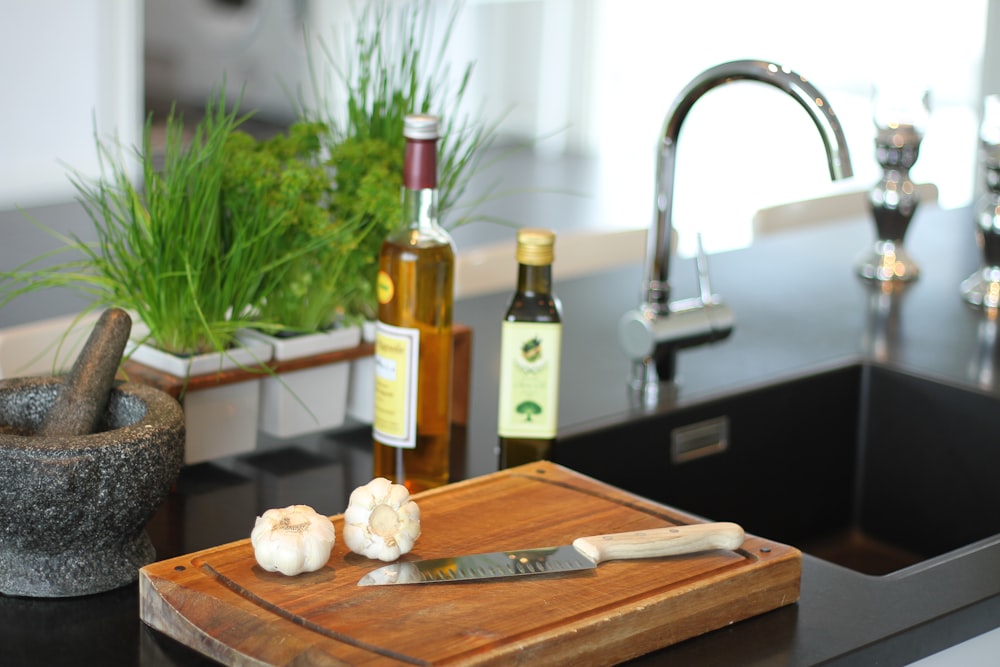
{"points": [[424, 276]]}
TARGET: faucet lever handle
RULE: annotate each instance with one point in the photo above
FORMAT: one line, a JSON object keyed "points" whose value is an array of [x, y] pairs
{"points": [[704, 280]]}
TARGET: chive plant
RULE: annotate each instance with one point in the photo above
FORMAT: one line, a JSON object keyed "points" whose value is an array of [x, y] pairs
{"points": [[192, 262], [394, 66]]}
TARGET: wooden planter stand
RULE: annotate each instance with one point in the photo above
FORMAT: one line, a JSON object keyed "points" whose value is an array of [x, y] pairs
{"points": [[175, 386]]}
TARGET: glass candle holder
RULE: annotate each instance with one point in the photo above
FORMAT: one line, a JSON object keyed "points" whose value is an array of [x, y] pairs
{"points": [[982, 288], [900, 117]]}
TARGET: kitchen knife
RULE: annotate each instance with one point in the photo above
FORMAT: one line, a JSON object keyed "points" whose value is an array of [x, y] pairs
{"points": [[584, 554]]}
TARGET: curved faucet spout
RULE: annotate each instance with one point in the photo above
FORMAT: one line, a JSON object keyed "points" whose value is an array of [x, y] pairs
{"points": [[657, 287], [652, 334]]}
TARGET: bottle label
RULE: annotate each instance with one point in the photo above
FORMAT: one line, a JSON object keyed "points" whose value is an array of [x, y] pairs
{"points": [[397, 358], [529, 379], [384, 289]]}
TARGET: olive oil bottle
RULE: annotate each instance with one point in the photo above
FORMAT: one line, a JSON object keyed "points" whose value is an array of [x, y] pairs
{"points": [[530, 353], [413, 342]]}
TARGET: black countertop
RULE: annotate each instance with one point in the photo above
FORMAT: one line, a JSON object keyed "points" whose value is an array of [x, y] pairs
{"points": [[797, 305]]}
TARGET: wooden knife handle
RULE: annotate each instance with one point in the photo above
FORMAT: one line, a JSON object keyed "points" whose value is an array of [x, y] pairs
{"points": [[654, 542]]}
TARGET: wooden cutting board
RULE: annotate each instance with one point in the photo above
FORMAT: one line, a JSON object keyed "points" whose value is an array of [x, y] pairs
{"points": [[220, 602]]}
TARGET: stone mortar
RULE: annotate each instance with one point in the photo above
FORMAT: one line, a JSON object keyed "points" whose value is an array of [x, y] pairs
{"points": [[73, 509]]}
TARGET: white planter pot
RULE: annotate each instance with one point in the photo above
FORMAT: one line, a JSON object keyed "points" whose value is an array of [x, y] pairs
{"points": [[361, 397], [220, 421], [312, 399]]}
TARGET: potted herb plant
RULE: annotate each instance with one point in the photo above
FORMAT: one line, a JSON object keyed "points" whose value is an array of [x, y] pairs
{"points": [[191, 262], [289, 176]]}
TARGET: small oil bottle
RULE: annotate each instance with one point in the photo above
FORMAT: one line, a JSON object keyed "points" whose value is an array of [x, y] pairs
{"points": [[530, 353], [413, 341]]}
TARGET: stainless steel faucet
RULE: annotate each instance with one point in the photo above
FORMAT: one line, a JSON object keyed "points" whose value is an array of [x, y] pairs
{"points": [[651, 334]]}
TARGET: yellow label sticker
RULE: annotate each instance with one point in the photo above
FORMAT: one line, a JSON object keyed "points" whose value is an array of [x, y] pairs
{"points": [[384, 288]]}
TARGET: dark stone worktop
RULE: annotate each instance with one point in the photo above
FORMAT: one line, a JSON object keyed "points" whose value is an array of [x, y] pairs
{"points": [[797, 305]]}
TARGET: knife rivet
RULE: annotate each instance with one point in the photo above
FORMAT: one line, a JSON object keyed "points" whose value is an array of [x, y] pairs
{"points": [[179, 568], [765, 550]]}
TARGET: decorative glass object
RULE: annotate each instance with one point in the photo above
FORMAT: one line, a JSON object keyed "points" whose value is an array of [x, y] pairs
{"points": [[982, 288], [900, 117]]}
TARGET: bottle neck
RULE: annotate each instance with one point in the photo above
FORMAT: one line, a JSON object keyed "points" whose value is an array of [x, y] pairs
{"points": [[534, 279], [420, 164], [420, 193], [420, 209]]}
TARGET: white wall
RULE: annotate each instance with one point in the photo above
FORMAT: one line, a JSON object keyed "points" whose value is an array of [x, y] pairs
{"points": [[66, 67], [259, 46]]}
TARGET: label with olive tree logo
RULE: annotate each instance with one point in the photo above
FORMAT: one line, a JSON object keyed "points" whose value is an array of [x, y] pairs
{"points": [[529, 379]]}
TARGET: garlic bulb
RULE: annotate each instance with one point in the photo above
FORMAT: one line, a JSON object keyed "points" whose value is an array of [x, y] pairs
{"points": [[381, 521], [292, 540]]}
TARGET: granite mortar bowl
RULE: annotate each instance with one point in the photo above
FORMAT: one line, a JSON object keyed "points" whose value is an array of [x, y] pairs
{"points": [[73, 509]]}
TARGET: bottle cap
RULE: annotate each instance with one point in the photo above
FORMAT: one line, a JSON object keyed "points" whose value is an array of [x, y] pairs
{"points": [[535, 247], [420, 126]]}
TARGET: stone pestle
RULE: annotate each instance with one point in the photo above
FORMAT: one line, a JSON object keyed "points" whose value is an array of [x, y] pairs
{"points": [[82, 400]]}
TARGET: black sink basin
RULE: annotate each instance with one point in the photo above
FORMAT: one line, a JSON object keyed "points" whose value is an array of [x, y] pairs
{"points": [[861, 465]]}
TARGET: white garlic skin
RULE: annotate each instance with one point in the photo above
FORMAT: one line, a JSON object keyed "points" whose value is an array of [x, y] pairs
{"points": [[292, 540], [381, 521]]}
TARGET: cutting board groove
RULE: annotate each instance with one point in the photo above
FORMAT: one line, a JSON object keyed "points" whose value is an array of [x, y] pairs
{"points": [[220, 602]]}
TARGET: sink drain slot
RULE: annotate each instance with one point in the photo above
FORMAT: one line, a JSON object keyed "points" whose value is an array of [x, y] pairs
{"points": [[698, 440]]}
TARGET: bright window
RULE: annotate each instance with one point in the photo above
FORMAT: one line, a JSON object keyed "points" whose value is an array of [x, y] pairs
{"points": [[608, 71]]}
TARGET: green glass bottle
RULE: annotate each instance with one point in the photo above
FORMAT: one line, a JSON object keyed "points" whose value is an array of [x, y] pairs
{"points": [[530, 354]]}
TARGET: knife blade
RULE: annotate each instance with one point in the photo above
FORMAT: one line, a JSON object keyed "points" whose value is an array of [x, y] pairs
{"points": [[585, 553]]}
